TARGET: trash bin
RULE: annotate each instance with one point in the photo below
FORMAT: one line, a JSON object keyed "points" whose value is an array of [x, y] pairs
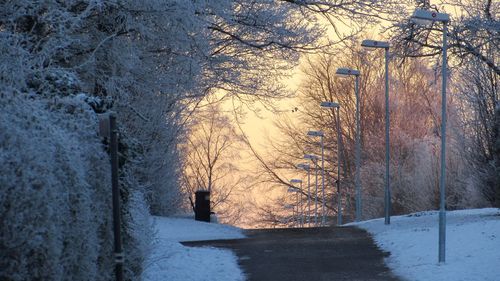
{"points": [[202, 206]]}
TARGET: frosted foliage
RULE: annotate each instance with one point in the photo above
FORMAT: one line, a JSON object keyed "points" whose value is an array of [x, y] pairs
{"points": [[413, 180], [55, 219], [149, 72], [251, 59], [155, 140], [373, 197], [39, 35], [416, 180], [415, 140], [151, 62], [138, 242]]}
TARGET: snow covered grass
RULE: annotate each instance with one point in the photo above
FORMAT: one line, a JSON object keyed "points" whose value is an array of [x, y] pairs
{"points": [[174, 262], [472, 245]]}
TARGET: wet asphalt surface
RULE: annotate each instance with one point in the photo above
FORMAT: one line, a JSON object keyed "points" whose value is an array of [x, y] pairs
{"points": [[307, 254]]}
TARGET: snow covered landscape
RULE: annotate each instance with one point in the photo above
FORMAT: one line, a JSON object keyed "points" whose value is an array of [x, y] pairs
{"points": [[472, 245], [174, 262], [117, 115], [473, 241]]}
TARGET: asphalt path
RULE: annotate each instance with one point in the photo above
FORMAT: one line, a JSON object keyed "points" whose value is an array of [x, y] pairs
{"points": [[307, 254]]}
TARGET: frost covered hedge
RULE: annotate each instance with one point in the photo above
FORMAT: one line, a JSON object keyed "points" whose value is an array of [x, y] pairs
{"points": [[55, 205], [54, 200]]}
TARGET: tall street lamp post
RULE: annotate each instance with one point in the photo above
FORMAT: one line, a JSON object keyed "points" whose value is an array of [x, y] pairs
{"points": [[323, 206], [357, 183], [293, 207], [314, 160], [307, 168], [427, 17], [329, 104], [298, 200], [387, 194]]}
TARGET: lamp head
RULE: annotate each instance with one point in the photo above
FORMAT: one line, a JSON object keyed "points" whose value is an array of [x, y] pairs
{"points": [[311, 156], [375, 44], [330, 104], [347, 72], [315, 133], [424, 17], [303, 166]]}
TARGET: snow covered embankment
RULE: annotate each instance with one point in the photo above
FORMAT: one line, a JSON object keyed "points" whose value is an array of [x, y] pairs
{"points": [[174, 262], [472, 245]]}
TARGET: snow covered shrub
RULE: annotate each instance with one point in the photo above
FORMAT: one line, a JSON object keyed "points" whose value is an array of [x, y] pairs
{"points": [[151, 136], [138, 237], [55, 183], [372, 181], [414, 177], [54, 200]]}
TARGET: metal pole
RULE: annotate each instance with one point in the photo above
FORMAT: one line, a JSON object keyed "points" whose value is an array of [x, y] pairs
{"points": [[358, 155], [301, 207], [116, 198], [309, 196], [442, 190], [316, 195], [323, 219], [294, 216], [387, 140], [297, 214], [339, 195]]}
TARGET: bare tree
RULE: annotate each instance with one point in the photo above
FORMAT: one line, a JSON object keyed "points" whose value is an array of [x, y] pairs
{"points": [[474, 32], [414, 136], [479, 90], [474, 40], [211, 153]]}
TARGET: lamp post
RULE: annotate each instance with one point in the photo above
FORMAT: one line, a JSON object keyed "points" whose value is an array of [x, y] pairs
{"points": [[293, 207], [387, 194], [300, 217], [314, 160], [307, 168], [329, 104], [426, 17], [357, 183], [323, 206]]}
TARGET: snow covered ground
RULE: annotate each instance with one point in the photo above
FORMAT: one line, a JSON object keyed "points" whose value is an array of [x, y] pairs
{"points": [[472, 245], [174, 262]]}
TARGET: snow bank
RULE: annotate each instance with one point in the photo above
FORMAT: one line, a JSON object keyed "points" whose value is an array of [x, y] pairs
{"points": [[172, 261], [187, 229], [471, 247]]}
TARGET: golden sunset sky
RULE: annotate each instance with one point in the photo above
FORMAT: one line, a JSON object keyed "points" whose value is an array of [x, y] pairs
{"points": [[260, 127]]}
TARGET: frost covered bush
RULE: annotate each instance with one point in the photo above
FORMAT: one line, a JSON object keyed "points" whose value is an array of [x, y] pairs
{"points": [[55, 200], [56, 220], [54, 196], [139, 236]]}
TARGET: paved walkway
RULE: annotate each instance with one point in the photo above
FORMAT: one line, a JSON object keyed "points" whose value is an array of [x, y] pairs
{"points": [[307, 254]]}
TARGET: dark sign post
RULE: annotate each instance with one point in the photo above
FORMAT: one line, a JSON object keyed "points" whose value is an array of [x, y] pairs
{"points": [[108, 129]]}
